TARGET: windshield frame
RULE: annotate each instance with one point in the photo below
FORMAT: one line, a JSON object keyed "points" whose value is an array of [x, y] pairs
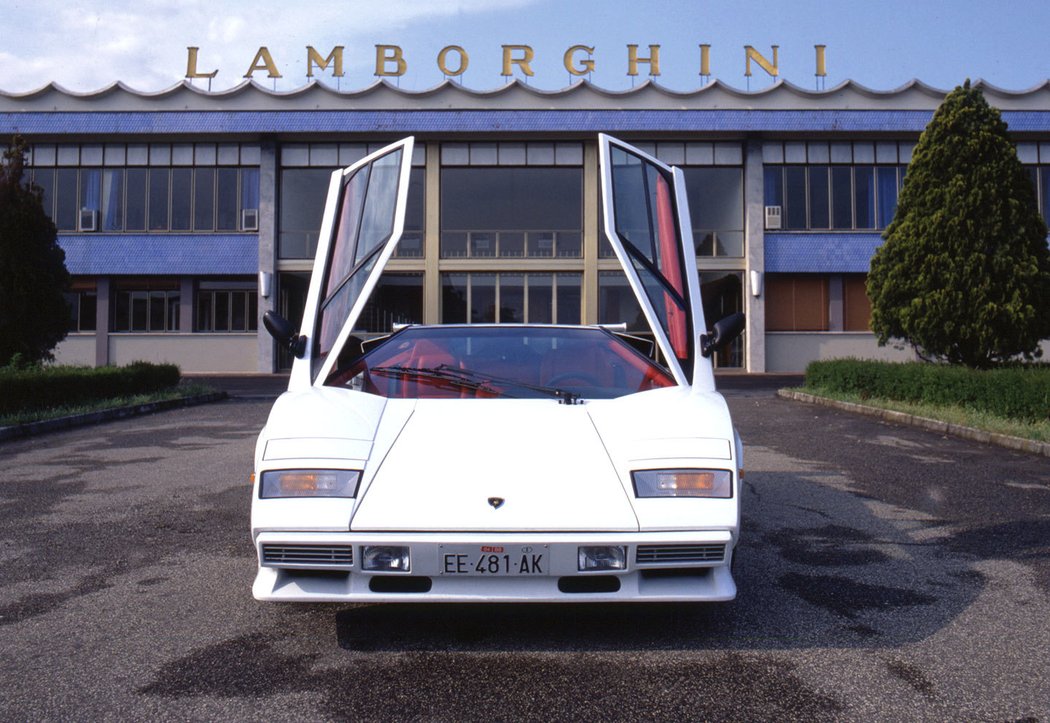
{"points": [[484, 361]]}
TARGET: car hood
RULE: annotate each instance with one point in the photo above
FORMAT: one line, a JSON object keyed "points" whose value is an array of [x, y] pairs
{"points": [[487, 465]]}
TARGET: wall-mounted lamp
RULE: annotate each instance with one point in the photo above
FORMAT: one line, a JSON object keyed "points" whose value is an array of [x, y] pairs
{"points": [[265, 284], [756, 283]]}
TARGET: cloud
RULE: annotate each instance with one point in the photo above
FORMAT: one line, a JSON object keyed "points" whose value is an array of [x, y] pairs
{"points": [[89, 44]]}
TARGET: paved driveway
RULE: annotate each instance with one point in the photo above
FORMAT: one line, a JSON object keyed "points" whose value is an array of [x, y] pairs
{"points": [[886, 573]]}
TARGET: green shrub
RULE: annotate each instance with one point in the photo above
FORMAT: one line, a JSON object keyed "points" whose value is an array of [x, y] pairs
{"points": [[23, 389], [1016, 392]]}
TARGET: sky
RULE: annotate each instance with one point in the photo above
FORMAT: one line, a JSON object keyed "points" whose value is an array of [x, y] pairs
{"points": [[86, 45]]}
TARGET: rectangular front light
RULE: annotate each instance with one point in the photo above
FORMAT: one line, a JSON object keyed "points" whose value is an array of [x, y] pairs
{"points": [[309, 483], [602, 557], [385, 558], [717, 483]]}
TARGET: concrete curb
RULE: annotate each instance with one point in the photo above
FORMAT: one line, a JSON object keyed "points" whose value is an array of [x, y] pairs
{"points": [[32, 429], [932, 425]]}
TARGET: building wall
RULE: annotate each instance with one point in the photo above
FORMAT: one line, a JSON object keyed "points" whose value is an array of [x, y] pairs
{"points": [[792, 153], [76, 349], [792, 351], [202, 353]]}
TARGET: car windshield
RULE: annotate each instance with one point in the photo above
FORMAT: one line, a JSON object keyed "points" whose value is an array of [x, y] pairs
{"points": [[484, 362]]}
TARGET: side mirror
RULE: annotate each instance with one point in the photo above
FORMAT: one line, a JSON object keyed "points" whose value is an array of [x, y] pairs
{"points": [[724, 332], [281, 330]]}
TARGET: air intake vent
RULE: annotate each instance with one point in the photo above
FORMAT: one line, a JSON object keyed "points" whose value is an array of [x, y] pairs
{"points": [[773, 217], [89, 219], [323, 556], [677, 554], [249, 219]]}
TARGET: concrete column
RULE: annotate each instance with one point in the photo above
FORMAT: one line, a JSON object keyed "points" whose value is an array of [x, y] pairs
{"points": [[432, 235], [186, 305], [102, 321], [591, 233], [754, 238], [267, 361], [836, 305]]}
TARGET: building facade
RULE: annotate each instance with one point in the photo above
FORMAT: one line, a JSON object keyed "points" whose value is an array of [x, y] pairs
{"points": [[186, 214]]}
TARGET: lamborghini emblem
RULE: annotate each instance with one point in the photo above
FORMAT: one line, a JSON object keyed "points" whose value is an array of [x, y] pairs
{"points": [[496, 502]]}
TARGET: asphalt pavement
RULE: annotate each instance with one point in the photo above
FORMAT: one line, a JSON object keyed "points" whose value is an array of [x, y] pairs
{"points": [[885, 573]]}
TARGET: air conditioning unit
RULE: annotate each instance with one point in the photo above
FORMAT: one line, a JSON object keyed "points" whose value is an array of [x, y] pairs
{"points": [[773, 217], [89, 219], [249, 219]]}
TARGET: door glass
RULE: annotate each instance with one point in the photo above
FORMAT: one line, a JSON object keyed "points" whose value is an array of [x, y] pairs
{"points": [[645, 219], [365, 222]]}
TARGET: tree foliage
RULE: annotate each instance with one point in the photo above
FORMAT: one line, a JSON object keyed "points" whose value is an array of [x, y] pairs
{"points": [[964, 274], [34, 315]]}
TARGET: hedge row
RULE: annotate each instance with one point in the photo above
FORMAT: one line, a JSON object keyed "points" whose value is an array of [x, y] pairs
{"points": [[1020, 392], [59, 386]]}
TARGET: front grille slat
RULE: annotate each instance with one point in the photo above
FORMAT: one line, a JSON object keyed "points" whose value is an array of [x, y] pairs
{"points": [[321, 555], [669, 554]]}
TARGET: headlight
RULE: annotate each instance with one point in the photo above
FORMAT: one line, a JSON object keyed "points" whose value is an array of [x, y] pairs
{"points": [[683, 483], [385, 558], [309, 483], [603, 557]]}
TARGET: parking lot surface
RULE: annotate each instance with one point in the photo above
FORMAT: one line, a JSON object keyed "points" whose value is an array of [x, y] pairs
{"points": [[885, 573]]}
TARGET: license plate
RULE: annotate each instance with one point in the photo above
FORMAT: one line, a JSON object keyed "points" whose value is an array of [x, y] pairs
{"points": [[494, 560]]}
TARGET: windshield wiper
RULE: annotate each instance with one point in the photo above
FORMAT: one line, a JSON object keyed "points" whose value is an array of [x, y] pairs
{"points": [[564, 396], [435, 374], [474, 380]]}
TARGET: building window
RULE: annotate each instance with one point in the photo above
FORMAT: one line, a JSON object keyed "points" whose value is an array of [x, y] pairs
{"points": [[303, 195], [397, 299], [617, 303], [839, 198], [796, 302], [716, 208], [226, 307], [83, 303], [1040, 178], [136, 203], [721, 291], [157, 199], [292, 288], [146, 308], [534, 298], [722, 294], [523, 212], [856, 313]]}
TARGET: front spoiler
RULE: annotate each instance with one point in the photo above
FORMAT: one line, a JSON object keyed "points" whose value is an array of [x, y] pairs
{"points": [[640, 582]]}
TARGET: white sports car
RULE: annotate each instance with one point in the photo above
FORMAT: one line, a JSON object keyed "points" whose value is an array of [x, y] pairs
{"points": [[500, 462]]}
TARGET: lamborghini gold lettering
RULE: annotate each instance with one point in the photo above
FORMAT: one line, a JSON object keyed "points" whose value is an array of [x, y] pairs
{"points": [[263, 61], [442, 60], [584, 66], [633, 59], [387, 54], [523, 62], [453, 61], [335, 59]]}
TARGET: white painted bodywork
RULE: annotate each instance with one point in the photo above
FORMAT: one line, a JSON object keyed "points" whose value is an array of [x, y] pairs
{"points": [[430, 466]]}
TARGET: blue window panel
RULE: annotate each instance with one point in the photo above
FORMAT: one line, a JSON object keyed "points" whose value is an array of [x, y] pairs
{"points": [[833, 253], [161, 255], [887, 192], [774, 185]]}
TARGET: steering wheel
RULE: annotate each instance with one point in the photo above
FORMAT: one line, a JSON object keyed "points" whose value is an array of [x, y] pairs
{"points": [[587, 379]]}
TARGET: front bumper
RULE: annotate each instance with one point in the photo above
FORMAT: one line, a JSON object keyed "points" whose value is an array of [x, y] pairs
{"points": [[661, 566]]}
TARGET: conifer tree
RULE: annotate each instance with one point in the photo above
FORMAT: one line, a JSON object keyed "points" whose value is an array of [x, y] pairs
{"points": [[34, 316], [964, 274]]}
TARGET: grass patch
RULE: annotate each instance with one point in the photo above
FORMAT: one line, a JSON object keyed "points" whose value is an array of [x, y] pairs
{"points": [[1018, 392], [953, 414], [37, 415], [29, 387]]}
